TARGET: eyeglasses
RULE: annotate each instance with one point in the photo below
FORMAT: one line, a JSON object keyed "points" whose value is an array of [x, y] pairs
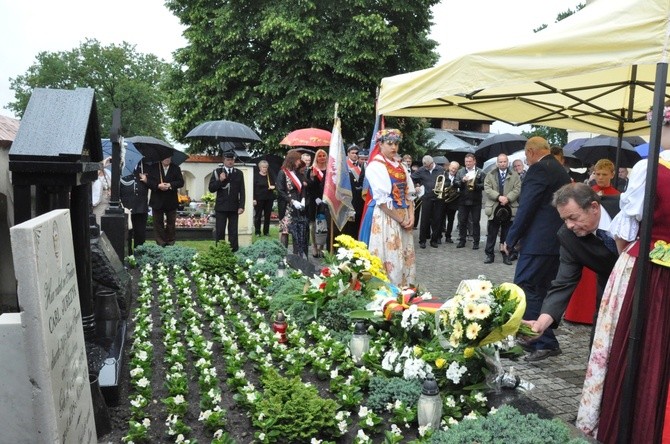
{"points": [[354, 153]]}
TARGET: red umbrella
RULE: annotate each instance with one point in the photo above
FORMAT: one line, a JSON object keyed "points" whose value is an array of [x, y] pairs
{"points": [[307, 137]]}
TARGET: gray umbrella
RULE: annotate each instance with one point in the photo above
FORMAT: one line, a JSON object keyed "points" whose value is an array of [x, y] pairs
{"points": [[604, 147], [224, 131], [499, 144]]}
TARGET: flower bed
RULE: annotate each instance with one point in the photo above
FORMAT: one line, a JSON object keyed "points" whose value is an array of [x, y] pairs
{"points": [[207, 365]]}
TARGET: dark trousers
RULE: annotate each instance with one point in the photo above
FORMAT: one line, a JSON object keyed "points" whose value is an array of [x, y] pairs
{"points": [[417, 211], [139, 221], [165, 226], [262, 211], [474, 212], [431, 220], [492, 229], [534, 274], [449, 215], [227, 219]]}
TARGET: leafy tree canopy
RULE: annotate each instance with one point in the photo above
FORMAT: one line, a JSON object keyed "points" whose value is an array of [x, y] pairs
{"points": [[280, 66], [121, 77]]}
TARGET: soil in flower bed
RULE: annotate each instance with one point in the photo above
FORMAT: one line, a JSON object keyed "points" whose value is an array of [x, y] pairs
{"points": [[238, 424]]}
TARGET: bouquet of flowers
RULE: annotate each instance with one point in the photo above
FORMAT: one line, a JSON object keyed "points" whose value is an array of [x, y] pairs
{"points": [[351, 268], [480, 314]]}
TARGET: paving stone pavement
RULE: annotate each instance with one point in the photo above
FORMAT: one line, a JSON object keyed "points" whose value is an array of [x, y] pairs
{"points": [[558, 380]]}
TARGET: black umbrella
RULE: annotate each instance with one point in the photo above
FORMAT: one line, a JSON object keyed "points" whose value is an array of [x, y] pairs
{"points": [[155, 150], [606, 148], [224, 131], [499, 144]]}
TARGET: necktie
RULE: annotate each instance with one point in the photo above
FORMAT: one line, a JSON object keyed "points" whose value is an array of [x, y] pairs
{"points": [[607, 240], [502, 181]]}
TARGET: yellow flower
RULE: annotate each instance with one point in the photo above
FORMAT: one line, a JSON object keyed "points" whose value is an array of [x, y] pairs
{"points": [[485, 287], [470, 310], [458, 330], [483, 311], [439, 362], [469, 352], [472, 330], [418, 351]]}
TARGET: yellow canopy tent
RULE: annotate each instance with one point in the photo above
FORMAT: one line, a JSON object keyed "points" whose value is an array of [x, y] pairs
{"points": [[593, 71], [598, 70]]}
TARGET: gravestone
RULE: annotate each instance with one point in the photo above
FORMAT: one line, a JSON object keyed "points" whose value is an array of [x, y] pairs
{"points": [[44, 367]]}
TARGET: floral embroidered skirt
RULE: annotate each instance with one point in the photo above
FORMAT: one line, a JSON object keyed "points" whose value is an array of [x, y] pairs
{"points": [[394, 246]]}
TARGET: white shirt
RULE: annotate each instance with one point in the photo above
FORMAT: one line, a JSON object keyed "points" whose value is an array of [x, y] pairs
{"points": [[626, 224], [380, 182]]}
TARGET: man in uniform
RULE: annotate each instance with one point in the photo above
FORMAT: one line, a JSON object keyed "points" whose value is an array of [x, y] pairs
{"points": [[228, 183]]}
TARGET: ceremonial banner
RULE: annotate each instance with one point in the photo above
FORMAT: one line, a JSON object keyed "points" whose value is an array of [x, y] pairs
{"points": [[337, 190]]}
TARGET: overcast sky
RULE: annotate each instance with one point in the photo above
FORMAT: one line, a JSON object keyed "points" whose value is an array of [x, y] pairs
{"points": [[28, 27]]}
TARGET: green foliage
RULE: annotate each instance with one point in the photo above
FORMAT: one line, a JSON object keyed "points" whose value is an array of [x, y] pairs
{"points": [[121, 77], [284, 298], [293, 411], [334, 314], [555, 136], [172, 255], [506, 425], [265, 247], [218, 260], [279, 66], [387, 390]]}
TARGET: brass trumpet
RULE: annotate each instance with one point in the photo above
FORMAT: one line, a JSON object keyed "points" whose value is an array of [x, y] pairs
{"points": [[439, 186]]}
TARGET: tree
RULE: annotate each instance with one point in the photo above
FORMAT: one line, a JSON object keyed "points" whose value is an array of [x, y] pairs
{"points": [[279, 66], [121, 78]]}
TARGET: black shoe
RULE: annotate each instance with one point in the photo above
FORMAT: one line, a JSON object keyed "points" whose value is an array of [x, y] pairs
{"points": [[489, 259], [439, 241], [506, 260], [461, 244], [475, 246], [448, 240], [422, 245], [525, 344], [433, 244], [513, 256], [539, 355]]}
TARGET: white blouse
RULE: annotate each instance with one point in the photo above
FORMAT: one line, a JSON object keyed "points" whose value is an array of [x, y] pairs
{"points": [[380, 183], [626, 224]]}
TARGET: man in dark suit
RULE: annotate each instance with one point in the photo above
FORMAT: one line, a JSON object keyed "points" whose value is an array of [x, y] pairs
{"points": [[432, 207], [452, 196], [228, 183], [582, 245], [164, 179], [535, 225], [134, 195], [470, 182]]}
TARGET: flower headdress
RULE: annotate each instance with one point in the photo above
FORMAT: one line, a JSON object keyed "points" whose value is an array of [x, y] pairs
{"points": [[389, 135], [666, 115]]}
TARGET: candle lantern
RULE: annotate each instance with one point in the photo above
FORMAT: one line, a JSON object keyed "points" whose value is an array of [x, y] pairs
{"points": [[281, 269], [279, 326], [360, 341], [430, 404], [260, 259]]}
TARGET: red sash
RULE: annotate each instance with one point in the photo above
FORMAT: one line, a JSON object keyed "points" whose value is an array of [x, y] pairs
{"points": [[294, 179], [317, 173], [354, 168]]}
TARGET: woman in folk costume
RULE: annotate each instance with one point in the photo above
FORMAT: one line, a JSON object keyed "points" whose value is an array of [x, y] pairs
{"points": [[602, 394], [316, 181], [392, 221], [291, 187]]}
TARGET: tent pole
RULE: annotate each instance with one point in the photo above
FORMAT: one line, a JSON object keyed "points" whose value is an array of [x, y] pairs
{"points": [[617, 159], [638, 314]]}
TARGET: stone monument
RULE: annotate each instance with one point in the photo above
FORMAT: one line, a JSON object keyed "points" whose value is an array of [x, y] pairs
{"points": [[45, 383]]}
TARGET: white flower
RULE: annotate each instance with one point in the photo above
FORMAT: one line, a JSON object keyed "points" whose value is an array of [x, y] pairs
{"points": [[363, 412], [471, 415], [144, 382], [480, 397], [333, 373], [315, 441], [396, 430], [146, 422], [455, 372], [205, 415], [218, 434], [180, 438], [362, 436], [137, 371], [261, 436]]}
